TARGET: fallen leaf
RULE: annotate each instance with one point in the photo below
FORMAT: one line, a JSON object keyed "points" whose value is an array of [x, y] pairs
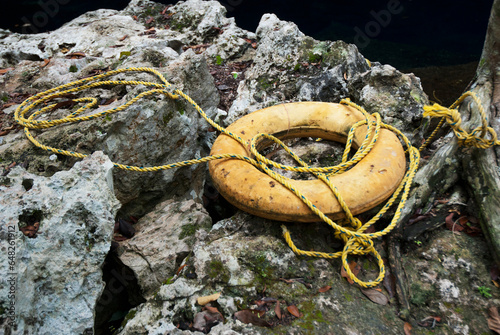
{"points": [[123, 38], [108, 101], [390, 284], [8, 105], [251, 316], [205, 320], [429, 321], [407, 328], [66, 103], [449, 221], [324, 289], [277, 310], [134, 17], [417, 218], [149, 20], [206, 299], [376, 296], [165, 10], [292, 309], [75, 55], [46, 62], [213, 310], [355, 268], [149, 31], [494, 320], [180, 269], [4, 71], [453, 225]]}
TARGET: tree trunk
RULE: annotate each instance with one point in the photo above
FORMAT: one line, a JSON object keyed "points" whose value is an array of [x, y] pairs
{"points": [[478, 168]]}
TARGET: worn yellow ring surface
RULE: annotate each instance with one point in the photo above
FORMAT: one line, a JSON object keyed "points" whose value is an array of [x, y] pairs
{"points": [[371, 181]]}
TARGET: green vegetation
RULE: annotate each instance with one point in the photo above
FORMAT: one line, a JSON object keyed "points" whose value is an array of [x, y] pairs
{"points": [[218, 60], [188, 230], [420, 295], [485, 291], [128, 317], [73, 68], [217, 271], [124, 54]]}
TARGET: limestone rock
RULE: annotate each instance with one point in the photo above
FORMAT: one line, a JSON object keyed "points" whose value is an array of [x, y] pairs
{"points": [[289, 66], [58, 272], [163, 239]]}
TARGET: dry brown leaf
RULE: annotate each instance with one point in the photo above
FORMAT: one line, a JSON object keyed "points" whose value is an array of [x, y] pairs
{"points": [[376, 296], [389, 281], [180, 269], [65, 103], [251, 316], [277, 310], [209, 298], [494, 320], [429, 321], [452, 225], [449, 221], [407, 328], [46, 62], [75, 55], [324, 289], [210, 309], [4, 71], [292, 309], [108, 101], [123, 38], [355, 268], [164, 11]]}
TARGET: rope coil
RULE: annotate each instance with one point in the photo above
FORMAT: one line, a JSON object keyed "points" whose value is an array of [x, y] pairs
{"points": [[350, 229]]}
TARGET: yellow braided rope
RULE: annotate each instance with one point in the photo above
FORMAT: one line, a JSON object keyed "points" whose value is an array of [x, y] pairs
{"points": [[452, 117], [350, 229]]}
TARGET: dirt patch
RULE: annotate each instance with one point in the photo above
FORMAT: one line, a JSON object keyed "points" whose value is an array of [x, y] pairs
{"points": [[227, 77]]}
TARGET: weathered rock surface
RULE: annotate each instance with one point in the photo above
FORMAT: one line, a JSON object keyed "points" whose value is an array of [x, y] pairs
{"points": [[164, 237], [244, 258], [289, 66], [59, 277]]}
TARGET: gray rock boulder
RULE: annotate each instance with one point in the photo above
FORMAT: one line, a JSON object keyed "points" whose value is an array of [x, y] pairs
{"points": [[58, 271], [289, 66], [164, 238]]}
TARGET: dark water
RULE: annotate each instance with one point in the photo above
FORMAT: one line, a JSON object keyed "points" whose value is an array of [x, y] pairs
{"points": [[404, 33]]}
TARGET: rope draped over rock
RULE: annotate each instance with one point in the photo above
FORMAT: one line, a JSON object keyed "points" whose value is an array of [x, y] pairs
{"points": [[350, 229]]}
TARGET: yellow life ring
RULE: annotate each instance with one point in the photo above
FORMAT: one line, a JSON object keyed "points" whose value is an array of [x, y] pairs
{"points": [[371, 181]]}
